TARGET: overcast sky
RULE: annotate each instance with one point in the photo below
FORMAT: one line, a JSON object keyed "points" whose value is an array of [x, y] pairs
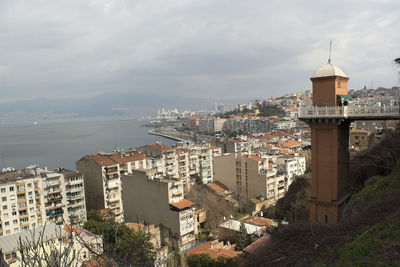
{"points": [[205, 48]]}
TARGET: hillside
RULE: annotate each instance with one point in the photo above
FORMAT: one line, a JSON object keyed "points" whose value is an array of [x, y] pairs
{"points": [[369, 232]]}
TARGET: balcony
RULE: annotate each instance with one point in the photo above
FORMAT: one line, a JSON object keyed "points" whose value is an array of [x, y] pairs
{"points": [[113, 198], [54, 213], [350, 112], [75, 182]]}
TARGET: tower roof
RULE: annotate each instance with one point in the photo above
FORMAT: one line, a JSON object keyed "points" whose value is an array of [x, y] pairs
{"points": [[329, 70]]}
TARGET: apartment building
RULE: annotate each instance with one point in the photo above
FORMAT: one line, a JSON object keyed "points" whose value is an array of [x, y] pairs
{"points": [[102, 175], [159, 201], [291, 166], [75, 195], [205, 163], [36, 196], [186, 162], [166, 156], [249, 176]]}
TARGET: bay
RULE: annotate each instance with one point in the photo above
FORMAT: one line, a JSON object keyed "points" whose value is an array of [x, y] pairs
{"points": [[60, 143]]}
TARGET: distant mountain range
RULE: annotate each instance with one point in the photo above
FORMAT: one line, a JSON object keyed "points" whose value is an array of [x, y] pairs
{"points": [[107, 105]]}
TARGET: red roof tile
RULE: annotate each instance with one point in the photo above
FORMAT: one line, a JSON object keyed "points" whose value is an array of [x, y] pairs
{"points": [[256, 158], [104, 160], [131, 156], [161, 147], [290, 143], [184, 203], [260, 221], [217, 188], [214, 249], [254, 247]]}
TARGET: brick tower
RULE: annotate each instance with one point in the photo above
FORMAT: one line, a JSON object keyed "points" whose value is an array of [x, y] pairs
{"points": [[329, 145]]}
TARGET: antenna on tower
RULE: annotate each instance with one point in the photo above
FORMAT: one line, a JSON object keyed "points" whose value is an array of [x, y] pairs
{"points": [[330, 50]]}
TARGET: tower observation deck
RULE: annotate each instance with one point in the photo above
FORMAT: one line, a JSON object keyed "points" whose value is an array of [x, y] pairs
{"points": [[352, 113]]}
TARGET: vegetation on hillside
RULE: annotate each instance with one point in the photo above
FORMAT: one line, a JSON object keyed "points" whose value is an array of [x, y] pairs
{"points": [[369, 232], [120, 243], [265, 111]]}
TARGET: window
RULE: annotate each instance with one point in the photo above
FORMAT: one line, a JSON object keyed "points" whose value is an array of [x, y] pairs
{"points": [[14, 213], [5, 215], [15, 221], [29, 185], [30, 193], [3, 190], [6, 223], [11, 188], [4, 199], [4, 207]]}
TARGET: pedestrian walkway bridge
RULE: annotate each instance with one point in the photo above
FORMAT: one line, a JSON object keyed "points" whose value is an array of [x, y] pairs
{"points": [[351, 113]]}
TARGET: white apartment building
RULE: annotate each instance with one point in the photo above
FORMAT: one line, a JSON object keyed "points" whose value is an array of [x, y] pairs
{"points": [[159, 201], [291, 166], [186, 163], [36, 196]]}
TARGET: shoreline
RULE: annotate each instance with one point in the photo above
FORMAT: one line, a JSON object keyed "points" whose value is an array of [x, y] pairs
{"points": [[153, 132]]}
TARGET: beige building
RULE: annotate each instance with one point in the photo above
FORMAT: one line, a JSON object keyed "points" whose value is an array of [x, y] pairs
{"points": [[37, 196], [102, 174], [159, 201], [360, 139], [249, 176]]}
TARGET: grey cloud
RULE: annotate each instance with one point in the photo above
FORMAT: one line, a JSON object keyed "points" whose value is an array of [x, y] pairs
{"points": [[219, 48]]}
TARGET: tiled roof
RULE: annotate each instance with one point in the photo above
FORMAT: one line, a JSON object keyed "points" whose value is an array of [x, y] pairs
{"points": [[234, 141], [266, 136], [103, 160], [184, 203], [213, 147], [286, 152], [214, 249], [290, 143], [256, 158], [161, 147], [260, 221], [258, 244], [217, 188], [122, 157]]}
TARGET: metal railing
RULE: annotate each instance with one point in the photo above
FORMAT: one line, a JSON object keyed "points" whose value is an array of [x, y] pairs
{"points": [[348, 112]]}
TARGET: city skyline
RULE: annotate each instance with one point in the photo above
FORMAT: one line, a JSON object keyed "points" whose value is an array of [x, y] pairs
{"points": [[220, 49]]}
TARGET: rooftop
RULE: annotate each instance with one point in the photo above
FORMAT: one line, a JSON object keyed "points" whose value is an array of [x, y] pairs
{"points": [[214, 249], [329, 70], [184, 203], [50, 231]]}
